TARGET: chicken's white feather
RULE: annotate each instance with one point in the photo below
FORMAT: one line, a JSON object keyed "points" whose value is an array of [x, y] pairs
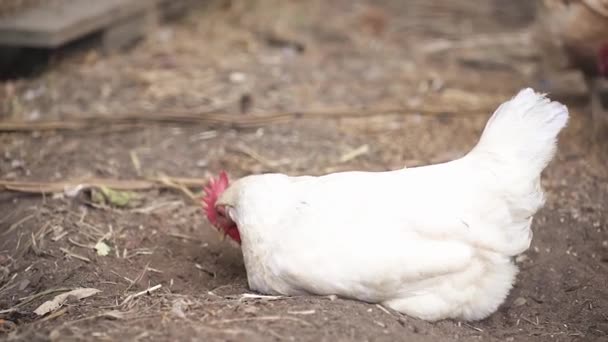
{"points": [[433, 242]]}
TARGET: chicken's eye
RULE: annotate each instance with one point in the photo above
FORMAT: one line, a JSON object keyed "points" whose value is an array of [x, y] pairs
{"points": [[221, 210]]}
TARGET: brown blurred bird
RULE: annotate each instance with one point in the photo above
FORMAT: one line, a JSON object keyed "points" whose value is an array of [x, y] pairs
{"points": [[580, 27]]}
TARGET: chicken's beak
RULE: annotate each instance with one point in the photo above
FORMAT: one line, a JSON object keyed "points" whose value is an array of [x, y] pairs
{"points": [[221, 208]]}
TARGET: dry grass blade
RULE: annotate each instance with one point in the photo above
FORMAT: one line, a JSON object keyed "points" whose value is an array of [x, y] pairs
{"points": [[136, 162], [355, 153], [54, 315], [259, 158], [18, 223], [183, 236], [472, 327], [8, 284], [385, 310]]}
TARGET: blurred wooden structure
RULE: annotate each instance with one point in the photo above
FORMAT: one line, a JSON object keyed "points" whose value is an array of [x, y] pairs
{"points": [[576, 31], [599, 111], [56, 23], [578, 28]]}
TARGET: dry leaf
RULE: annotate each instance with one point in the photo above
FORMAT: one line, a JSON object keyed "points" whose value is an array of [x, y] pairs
{"points": [[116, 198], [57, 302], [178, 308]]}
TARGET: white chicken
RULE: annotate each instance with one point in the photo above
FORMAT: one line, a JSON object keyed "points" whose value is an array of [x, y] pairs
{"points": [[432, 242]]}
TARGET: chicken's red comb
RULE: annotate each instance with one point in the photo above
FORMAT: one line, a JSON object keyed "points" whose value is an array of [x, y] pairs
{"points": [[213, 190]]}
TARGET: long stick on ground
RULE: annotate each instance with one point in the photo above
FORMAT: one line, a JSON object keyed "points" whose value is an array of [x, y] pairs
{"points": [[237, 121], [116, 184]]}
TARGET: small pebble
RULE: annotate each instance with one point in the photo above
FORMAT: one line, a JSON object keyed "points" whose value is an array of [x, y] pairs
{"points": [[237, 77], [521, 258]]}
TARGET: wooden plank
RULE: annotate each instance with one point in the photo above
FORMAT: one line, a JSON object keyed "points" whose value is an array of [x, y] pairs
{"points": [[171, 9], [55, 24], [128, 30], [565, 84]]}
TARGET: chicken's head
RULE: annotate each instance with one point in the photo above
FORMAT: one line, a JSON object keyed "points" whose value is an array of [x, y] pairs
{"points": [[602, 60], [217, 215]]}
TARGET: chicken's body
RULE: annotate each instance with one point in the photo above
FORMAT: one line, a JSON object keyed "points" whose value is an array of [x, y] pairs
{"points": [[432, 242]]}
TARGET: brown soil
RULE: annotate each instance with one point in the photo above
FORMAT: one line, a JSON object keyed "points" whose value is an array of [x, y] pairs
{"points": [[281, 55]]}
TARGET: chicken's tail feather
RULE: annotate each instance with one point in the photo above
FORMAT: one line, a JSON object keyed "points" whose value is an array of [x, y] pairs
{"points": [[522, 132]]}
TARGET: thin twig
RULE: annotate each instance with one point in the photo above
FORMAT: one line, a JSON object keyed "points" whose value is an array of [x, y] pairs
{"points": [[472, 327], [147, 291], [139, 277], [130, 281], [245, 296], [78, 244], [116, 184], [141, 293], [18, 223], [528, 320], [74, 255]]}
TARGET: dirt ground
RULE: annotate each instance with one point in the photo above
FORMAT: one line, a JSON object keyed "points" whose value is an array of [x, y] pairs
{"points": [[248, 58]]}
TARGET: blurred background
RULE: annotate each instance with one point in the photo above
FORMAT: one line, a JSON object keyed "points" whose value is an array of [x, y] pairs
{"points": [[114, 113]]}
